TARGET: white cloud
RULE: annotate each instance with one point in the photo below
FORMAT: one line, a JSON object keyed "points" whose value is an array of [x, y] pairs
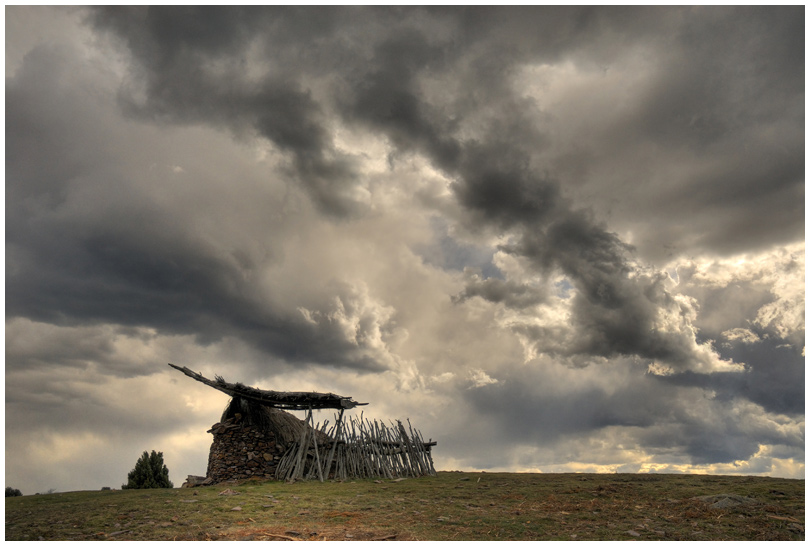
{"points": [[480, 378]]}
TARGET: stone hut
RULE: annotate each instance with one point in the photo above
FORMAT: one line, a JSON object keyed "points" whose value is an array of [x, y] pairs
{"points": [[256, 438], [249, 441]]}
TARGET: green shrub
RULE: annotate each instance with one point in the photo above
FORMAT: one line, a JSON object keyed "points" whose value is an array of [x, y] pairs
{"points": [[11, 492], [149, 473]]}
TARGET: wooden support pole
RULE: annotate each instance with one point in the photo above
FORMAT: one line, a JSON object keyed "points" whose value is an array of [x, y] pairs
{"points": [[315, 444], [335, 440]]}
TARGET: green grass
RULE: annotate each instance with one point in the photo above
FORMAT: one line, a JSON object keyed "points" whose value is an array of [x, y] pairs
{"points": [[451, 506]]}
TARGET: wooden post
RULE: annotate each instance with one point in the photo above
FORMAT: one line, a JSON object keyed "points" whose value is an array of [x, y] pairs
{"points": [[315, 443], [302, 449], [335, 440]]}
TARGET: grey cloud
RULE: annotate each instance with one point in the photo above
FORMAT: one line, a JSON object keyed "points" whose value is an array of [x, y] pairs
{"points": [[510, 293], [695, 149], [715, 130], [388, 98], [173, 47], [617, 307], [727, 306], [772, 353], [495, 174], [47, 347], [447, 251], [696, 101], [532, 405], [85, 245], [774, 377], [496, 181], [721, 80], [176, 289]]}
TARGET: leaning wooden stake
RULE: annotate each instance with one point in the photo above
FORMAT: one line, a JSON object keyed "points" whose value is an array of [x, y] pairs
{"points": [[317, 455], [335, 440], [298, 471]]}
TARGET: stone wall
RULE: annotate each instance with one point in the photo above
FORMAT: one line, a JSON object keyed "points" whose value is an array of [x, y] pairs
{"points": [[240, 451]]}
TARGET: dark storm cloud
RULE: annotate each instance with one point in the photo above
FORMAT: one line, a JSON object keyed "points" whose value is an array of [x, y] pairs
{"points": [[656, 415], [728, 93], [175, 288], [76, 255], [190, 68], [474, 203], [774, 377], [723, 81], [495, 181], [174, 50], [615, 314], [713, 82], [511, 294]]}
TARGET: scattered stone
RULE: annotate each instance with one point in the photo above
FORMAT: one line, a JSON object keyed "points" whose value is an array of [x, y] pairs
{"points": [[292, 533], [236, 509], [188, 500], [194, 481], [725, 500], [633, 533], [229, 492]]}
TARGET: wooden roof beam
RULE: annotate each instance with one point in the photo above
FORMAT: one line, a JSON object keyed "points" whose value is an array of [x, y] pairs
{"points": [[276, 399]]}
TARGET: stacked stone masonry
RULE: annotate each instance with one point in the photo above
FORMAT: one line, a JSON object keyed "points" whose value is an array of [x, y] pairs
{"points": [[240, 451]]}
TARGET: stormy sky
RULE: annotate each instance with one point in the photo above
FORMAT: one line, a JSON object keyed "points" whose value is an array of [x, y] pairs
{"points": [[555, 238]]}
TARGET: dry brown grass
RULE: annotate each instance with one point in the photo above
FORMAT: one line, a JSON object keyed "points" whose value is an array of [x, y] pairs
{"points": [[452, 506]]}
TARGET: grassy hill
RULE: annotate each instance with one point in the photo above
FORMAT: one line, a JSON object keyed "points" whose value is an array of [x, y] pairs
{"points": [[451, 506]]}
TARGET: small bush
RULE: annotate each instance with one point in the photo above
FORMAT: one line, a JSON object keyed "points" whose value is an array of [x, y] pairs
{"points": [[149, 473], [11, 492]]}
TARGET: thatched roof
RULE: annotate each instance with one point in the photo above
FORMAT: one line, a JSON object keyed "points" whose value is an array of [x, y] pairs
{"points": [[286, 427], [276, 399]]}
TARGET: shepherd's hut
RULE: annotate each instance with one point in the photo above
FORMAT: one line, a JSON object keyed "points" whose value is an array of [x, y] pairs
{"points": [[257, 438]]}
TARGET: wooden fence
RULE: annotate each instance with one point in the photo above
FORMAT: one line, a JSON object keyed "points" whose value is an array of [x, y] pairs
{"points": [[359, 448]]}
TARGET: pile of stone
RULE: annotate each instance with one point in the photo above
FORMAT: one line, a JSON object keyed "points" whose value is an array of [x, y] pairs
{"points": [[726, 500], [241, 451]]}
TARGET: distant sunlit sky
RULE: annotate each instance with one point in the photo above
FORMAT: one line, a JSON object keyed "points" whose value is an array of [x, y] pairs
{"points": [[555, 238]]}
